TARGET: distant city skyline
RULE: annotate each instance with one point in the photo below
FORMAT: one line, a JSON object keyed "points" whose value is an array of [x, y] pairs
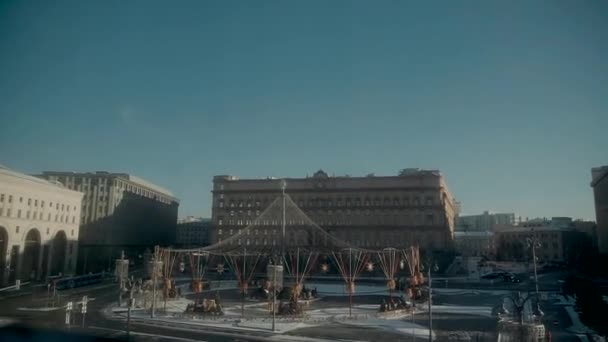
{"points": [[507, 100]]}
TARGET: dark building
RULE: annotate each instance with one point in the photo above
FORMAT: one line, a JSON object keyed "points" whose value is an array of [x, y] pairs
{"points": [[599, 183], [119, 212], [192, 232], [413, 208]]}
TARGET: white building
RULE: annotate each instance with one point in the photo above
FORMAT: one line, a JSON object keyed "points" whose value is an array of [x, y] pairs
{"points": [[39, 223], [484, 222]]}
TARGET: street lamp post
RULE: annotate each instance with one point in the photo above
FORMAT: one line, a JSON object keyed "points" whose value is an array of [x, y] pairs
{"points": [[534, 243], [434, 268]]}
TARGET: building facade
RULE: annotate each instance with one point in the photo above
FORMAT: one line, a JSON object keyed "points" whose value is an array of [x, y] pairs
{"points": [[39, 223], [599, 183], [193, 232], [119, 212], [557, 244], [475, 244], [484, 222], [414, 208]]}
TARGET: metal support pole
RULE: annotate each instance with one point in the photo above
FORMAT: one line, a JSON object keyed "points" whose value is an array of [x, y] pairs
{"points": [[430, 306], [283, 185], [154, 281], [535, 274], [120, 278], [274, 295], [128, 323], [244, 277]]}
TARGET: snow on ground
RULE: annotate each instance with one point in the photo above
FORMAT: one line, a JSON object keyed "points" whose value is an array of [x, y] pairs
{"points": [[257, 317], [339, 289], [41, 309], [484, 311], [577, 326], [460, 292]]}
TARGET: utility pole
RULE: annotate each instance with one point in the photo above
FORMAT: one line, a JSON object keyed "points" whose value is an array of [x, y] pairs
{"points": [[245, 284], [274, 294], [430, 306], [533, 243], [155, 262], [283, 186], [121, 277]]}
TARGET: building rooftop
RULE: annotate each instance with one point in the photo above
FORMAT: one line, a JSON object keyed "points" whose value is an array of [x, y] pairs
{"points": [[127, 176], [411, 172], [15, 174], [598, 174]]}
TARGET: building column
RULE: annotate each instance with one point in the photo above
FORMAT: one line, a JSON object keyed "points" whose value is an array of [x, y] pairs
{"points": [[39, 263], [49, 262], [74, 257], [19, 261], [6, 272]]}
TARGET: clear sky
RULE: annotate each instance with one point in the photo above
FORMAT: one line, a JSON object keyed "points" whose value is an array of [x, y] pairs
{"points": [[509, 99]]}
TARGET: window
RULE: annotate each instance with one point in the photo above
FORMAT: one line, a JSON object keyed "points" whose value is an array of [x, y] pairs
{"points": [[221, 204], [29, 201], [1, 211], [72, 232], [220, 221], [1, 197], [62, 207], [42, 204], [73, 219], [8, 212], [28, 214], [219, 232], [49, 217], [56, 206], [56, 217], [50, 204], [10, 198], [20, 199], [35, 215], [17, 229], [35, 203], [48, 230]]}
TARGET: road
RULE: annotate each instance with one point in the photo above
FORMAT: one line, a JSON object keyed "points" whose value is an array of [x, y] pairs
{"points": [[445, 324], [29, 309]]}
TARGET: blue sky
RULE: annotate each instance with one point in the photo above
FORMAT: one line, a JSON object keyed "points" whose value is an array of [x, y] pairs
{"points": [[509, 99]]}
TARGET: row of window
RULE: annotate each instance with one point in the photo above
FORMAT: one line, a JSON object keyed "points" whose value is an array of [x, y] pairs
{"points": [[356, 242], [35, 202], [338, 202], [417, 219], [38, 216], [48, 231]]}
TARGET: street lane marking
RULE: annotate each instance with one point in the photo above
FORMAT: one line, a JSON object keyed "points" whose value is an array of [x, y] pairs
{"points": [[146, 334]]}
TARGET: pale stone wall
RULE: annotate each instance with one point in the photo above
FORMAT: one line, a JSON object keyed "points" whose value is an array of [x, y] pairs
{"points": [[39, 207]]}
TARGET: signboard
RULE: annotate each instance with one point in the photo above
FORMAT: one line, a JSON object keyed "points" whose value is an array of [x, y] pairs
{"points": [[83, 308]]}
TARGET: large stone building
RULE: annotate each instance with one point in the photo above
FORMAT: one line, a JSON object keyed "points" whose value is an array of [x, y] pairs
{"points": [[119, 212], [484, 222], [193, 232], [413, 208], [599, 183], [39, 222], [557, 243], [475, 243]]}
